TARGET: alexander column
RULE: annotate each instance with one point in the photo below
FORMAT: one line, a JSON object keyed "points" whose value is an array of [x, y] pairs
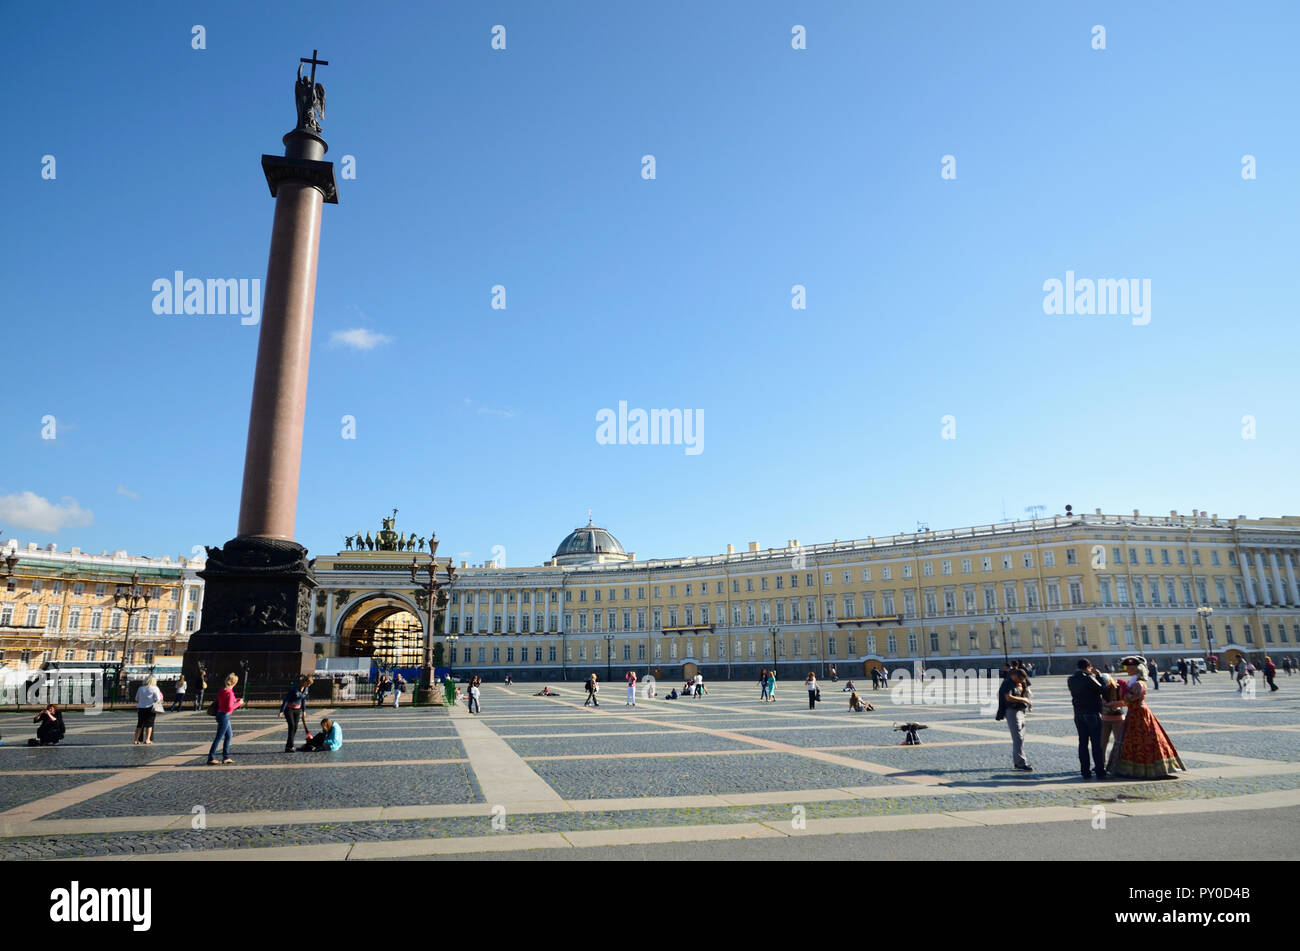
{"points": [[257, 605]]}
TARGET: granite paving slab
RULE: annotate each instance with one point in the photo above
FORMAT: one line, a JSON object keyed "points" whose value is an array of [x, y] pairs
{"points": [[600, 745], [20, 790], [598, 778], [227, 789]]}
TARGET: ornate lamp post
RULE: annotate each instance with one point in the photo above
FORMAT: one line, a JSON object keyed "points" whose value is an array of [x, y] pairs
{"points": [[1204, 612], [1004, 620], [132, 599], [773, 630], [431, 588], [609, 657]]}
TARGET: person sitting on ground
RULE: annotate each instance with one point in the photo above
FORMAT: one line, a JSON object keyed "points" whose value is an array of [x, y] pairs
{"points": [[545, 692], [672, 695], [849, 688], [330, 738], [50, 729], [858, 705]]}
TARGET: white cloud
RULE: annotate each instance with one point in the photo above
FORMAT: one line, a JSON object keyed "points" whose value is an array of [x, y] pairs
{"points": [[487, 411], [358, 339], [31, 511], [123, 490]]}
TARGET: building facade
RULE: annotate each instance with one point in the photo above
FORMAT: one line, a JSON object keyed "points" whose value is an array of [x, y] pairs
{"points": [[60, 606], [1046, 591]]}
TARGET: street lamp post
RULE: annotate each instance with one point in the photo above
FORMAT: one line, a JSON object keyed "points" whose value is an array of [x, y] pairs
{"points": [[609, 657], [1004, 620], [1204, 612], [432, 588], [772, 630], [132, 599]]}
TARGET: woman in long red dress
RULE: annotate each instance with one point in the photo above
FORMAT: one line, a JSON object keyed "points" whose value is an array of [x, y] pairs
{"points": [[1146, 751]]}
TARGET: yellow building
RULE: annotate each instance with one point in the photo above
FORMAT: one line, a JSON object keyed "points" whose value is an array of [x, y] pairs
{"points": [[75, 607], [1058, 588]]}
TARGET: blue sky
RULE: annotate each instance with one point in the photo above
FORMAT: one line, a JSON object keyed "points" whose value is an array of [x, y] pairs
{"points": [[775, 167]]}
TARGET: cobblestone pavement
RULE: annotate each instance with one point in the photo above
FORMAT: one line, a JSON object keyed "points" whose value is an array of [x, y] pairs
{"points": [[410, 782]]}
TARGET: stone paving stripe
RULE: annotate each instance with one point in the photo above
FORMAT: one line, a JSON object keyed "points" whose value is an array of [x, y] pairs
{"points": [[502, 773], [416, 847]]}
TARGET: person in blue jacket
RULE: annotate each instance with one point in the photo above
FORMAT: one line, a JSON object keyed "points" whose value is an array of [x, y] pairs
{"points": [[330, 737]]}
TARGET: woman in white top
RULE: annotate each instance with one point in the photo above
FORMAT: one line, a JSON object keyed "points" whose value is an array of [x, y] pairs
{"points": [[811, 684], [145, 711], [180, 694]]}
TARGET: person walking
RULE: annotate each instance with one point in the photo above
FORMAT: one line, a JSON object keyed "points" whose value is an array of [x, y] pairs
{"points": [[1154, 668], [473, 696], [1240, 670], [591, 692], [699, 685], [399, 688], [631, 689], [1013, 705], [762, 685], [201, 689], [294, 711], [814, 693], [1182, 669], [771, 685], [148, 701], [178, 701], [1270, 673], [1087, 694], [1194, 670], [835, 674], [226, 703]]}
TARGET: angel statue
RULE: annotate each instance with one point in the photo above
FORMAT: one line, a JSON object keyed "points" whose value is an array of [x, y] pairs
{"points": [[310, 100]]}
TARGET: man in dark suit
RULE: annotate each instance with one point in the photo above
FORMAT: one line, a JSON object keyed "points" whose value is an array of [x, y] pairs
{"points": [[1087, 693]]}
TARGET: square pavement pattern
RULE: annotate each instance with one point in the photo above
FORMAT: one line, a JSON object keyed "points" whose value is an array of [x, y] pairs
{"points": [[535, 772]]}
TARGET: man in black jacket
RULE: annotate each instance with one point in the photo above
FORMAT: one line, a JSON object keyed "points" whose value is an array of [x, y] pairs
{"points": [[1087, 693]]}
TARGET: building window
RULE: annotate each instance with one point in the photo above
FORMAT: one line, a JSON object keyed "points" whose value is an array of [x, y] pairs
{"points": [[1049, 559]]}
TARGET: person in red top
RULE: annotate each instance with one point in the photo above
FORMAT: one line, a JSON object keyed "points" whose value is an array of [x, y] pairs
{"points": [[227, 703]]}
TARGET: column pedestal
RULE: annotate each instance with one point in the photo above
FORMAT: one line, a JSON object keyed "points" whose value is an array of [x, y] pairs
{"points": [[257, 607]]}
